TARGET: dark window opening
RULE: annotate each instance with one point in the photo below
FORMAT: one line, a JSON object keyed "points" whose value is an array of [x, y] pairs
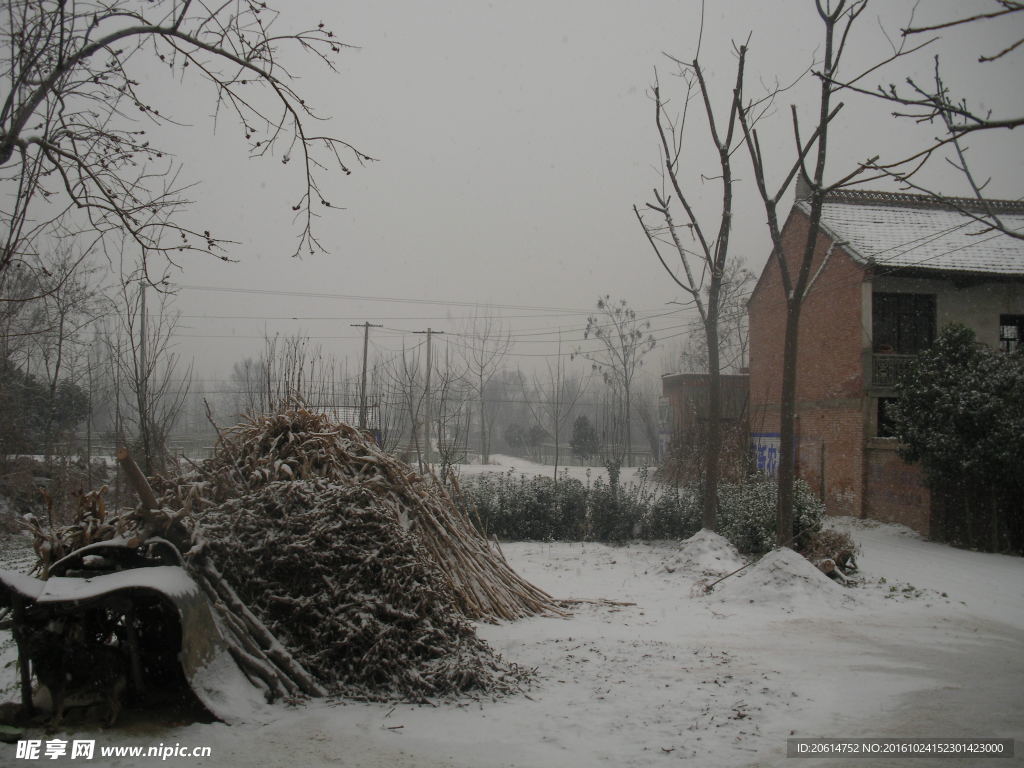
{"points": [[903, 323], [886, 428], [1011, 332]]}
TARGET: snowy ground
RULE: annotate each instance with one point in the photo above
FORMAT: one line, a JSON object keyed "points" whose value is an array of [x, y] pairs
{"points": [[500, 463], [934, 650]]}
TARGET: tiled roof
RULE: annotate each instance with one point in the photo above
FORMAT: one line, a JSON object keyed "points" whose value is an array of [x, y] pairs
{"points": [[915, 231]]}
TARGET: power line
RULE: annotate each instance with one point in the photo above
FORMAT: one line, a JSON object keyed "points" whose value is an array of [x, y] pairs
{"points": [[387, 299]]}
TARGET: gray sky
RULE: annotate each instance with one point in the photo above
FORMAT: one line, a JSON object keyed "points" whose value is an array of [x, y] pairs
{"points": [[513, 139]]}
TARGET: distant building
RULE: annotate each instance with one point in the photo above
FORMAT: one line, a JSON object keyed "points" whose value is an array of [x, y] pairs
{"points": [[890, 270], [685, 419]]}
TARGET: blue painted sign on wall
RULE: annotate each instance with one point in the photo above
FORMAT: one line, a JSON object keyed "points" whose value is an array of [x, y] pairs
{"points": [[766, 451]]}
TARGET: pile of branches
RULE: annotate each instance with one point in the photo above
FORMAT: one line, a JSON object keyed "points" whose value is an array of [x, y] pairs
{"points": [[332, 567]]}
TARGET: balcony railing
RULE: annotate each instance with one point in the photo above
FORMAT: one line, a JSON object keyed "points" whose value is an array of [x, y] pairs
{"points": [[887, 368]]}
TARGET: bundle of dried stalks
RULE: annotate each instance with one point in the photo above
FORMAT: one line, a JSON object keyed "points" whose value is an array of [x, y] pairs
{"points": [[334, 576], [332, 567], [299, 444]]}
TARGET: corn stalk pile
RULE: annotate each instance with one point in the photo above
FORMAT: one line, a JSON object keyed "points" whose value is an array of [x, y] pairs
{"points": [[332, 567], [301, 445], [337, 579]]}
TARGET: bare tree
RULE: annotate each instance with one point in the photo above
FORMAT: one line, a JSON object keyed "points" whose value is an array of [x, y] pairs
{"points": [[70, 136], [246, 375], [507, 401], [392, 417], [646, 403], [69, 305], [149, 371], [933, 103], [403, 371], [625, 339], [450, 416], [290, 370], [22, 319], [557, 396], [486, 342], [837, 20], [702, 251], [733, 336]]}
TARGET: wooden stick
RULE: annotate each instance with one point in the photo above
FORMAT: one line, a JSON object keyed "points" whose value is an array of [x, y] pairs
{"points": [[136, 479], [270, 645]]}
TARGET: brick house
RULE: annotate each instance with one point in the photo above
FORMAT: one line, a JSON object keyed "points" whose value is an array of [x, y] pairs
{"points": [[890, 271], [687, 400]]}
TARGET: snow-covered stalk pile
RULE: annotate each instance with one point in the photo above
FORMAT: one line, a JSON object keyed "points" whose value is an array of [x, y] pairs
{"points": [[333, 567], [302, 445], [334, 576]]}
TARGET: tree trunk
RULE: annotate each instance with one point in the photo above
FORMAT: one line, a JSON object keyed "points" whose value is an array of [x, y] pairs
{"points": [[629, 431], [51, 411], [713, 448], [485, 454], [787, 427], [558, 418]]}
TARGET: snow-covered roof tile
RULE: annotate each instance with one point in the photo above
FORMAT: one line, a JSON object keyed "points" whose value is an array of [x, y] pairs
{"points": [[913, 231]]}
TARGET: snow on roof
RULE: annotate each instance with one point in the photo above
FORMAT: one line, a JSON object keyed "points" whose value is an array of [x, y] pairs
{"points": [[915, 231]]}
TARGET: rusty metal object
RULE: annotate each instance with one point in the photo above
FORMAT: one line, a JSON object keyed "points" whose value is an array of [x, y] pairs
{"points": [[204, 658]]}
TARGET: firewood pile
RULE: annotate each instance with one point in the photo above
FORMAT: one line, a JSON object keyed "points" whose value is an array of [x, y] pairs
{"points": [[332, 567]]}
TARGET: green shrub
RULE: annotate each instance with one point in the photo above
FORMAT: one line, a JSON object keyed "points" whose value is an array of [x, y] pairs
{"points": [[516, 507], [673, 514], [746, 513], [614, 510], [520, 508]]}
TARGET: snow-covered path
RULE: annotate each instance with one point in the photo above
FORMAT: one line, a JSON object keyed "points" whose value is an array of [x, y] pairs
{"points": [[936, 650]]}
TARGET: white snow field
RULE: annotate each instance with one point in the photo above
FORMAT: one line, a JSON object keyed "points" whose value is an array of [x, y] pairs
{"points": [[676, 677]]}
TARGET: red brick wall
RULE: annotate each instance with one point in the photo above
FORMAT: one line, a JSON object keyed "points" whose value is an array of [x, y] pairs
{"points": [[896, 492], [830, 383]]}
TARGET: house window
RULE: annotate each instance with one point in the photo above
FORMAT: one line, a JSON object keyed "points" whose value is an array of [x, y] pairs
{"points": [[903, 323], [885, 424], [1011, 332]]}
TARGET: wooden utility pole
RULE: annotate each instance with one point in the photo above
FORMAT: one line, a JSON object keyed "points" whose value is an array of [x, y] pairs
{"points": [[362, 386], [426, 420]]}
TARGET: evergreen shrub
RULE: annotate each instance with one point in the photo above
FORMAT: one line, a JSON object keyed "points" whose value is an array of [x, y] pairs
{"points": [[515, 507]]}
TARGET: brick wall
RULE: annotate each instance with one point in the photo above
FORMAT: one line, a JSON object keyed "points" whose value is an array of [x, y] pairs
{"points": [[830, 384], [896, 492]]}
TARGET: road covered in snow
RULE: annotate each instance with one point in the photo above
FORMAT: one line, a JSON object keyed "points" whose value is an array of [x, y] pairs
{"points": [[650, 671]]}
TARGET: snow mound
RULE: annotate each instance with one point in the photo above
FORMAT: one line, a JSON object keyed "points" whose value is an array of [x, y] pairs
{"points": [[705, 553], [783, 578]]}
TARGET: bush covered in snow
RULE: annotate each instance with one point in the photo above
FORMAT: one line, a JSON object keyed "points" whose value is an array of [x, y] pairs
{"points": [[515, 507], [746, 513], [520, 508], [960, 412]]}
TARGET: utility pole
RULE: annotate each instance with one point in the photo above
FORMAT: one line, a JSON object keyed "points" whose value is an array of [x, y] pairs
{"points": [[430, 332], [362, 387]]}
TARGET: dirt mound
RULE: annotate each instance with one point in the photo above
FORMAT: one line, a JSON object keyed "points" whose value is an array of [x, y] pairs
{"points": [[706, 554], [783, 578]]}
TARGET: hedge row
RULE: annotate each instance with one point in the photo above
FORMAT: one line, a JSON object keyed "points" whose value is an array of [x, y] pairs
{"points": [[517, 507]]}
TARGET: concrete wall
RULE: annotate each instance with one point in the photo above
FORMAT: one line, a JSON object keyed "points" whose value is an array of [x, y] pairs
{"points": [[977, 305]]}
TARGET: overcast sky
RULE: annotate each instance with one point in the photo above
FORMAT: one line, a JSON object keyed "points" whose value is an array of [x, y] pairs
{"points": [[513, 139]]}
